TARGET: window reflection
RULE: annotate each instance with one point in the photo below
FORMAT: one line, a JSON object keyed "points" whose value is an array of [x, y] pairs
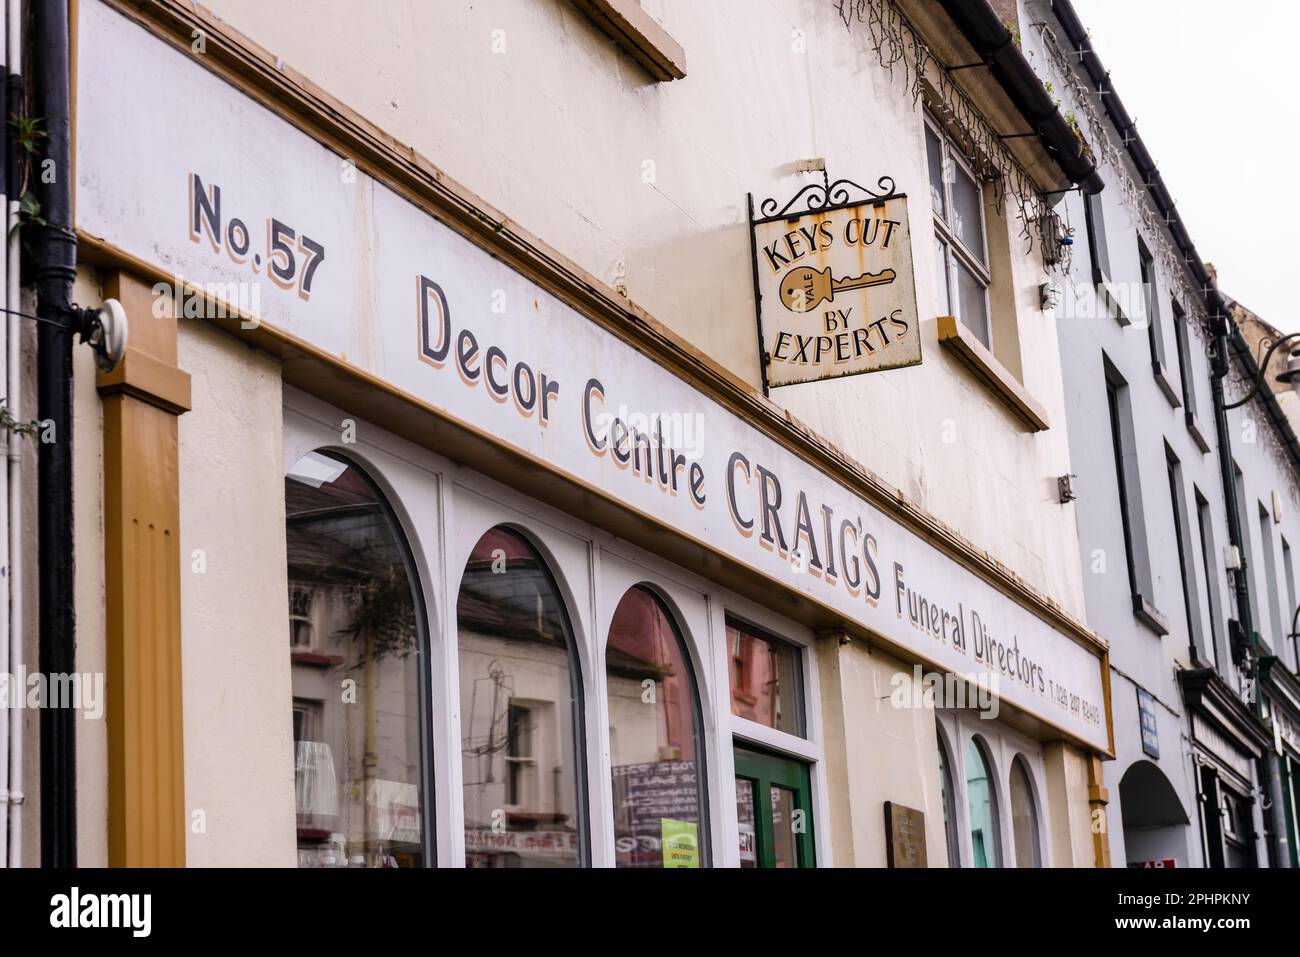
{"points": [[357, 664], [983, 807], [766, 680], [653, 738], [949, 805], [746, 823], [520, 711], [1024, 817]]}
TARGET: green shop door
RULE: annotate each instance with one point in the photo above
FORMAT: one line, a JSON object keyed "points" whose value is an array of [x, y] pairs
{"points": [[774, 810]]}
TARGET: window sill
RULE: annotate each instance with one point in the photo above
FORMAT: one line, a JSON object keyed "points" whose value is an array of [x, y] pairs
{"points": [[638, 35], [1194, 427], [315, 659], [1004, 387], [1149, 615], [1167, 387]]}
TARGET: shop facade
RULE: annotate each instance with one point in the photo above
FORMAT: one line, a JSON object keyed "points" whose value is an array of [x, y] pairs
{"points": [[475, 562]]}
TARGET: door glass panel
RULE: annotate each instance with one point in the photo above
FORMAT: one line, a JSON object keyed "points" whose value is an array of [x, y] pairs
{"points": [[773, 810], [745, 822], [785, 853]]}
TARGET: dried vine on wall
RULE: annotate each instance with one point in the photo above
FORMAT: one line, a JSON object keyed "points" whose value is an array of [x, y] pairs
{"points": [[1151, 224], [901, 50]]}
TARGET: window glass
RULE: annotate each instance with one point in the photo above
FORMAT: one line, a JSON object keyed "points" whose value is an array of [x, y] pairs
{"points": [[934, 158], [1096, 228], [982, 805], [520, 711], [941, 277], [949, 806], [654, 738], [1185, 372], [355, 617], [783, 843], [766, 680], [967, 215], [1151, 305], [1024, 817], [973, 308]]}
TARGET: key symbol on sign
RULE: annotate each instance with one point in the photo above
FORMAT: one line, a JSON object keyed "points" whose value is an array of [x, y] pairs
{"points": [[804, 287]]}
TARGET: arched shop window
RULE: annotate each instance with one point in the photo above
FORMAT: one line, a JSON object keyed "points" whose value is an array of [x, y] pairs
{"points": [[982, 803], [1024, 816], [358, 663], [520, 711], [655, 742], [948, 793]]}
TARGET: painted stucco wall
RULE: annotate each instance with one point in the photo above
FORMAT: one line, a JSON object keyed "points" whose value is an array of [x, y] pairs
{"points": [[644, 185], [876, 752], [88, 551], [235, 612]]}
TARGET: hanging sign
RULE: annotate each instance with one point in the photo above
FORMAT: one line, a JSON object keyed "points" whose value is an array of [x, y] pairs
{"points": [[834, 284]]}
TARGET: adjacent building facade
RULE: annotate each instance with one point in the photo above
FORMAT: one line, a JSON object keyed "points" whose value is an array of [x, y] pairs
{"points": [[1186, 506]]}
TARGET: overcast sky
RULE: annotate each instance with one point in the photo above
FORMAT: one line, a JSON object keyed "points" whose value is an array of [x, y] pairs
{"points": [[1212, 86]]}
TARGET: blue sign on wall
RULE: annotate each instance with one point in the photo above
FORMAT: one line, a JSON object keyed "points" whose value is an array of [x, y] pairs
{"points": [[1147, 716]]}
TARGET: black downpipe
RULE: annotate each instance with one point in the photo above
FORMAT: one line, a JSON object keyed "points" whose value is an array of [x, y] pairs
{"points": [[1218, 371], [55, 269]]}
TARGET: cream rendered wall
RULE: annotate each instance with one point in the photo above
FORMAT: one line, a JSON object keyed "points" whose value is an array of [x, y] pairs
{"points": [[1067, 795], [235, 613], [91, 611], [644, 184], [875, 752]]}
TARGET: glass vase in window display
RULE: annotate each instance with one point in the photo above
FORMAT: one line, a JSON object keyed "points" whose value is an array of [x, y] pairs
{"points": [[983, 808], [520, 711], [653, 738], [357, 661]]}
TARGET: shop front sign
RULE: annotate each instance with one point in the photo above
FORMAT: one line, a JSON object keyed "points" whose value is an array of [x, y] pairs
{"points": [[361, 274]]}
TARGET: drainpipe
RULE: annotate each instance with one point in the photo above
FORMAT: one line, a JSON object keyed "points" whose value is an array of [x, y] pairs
{"points": [[14, 390], [1271, 784], [55, 257]]}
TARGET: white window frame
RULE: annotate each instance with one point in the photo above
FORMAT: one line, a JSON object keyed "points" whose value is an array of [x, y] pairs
{"points": [[945, 233]]}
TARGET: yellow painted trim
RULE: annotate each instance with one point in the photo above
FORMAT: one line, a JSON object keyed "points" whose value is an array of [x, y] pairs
{"points": [[1098, 798], [146, 759], [150, 380]]}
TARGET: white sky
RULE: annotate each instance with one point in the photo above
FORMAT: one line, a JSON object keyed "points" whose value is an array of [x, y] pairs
{"points": [[1212, 88]]}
